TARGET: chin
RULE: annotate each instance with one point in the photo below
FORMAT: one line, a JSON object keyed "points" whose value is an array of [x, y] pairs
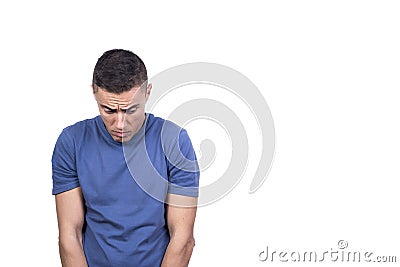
{"points": [[123, 140]]}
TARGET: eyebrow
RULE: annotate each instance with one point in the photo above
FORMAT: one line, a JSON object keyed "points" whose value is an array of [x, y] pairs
{"points": [[123, 109]]}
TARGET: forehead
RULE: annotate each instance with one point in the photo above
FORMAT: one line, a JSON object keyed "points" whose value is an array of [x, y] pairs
{"points": [[133, 96]]}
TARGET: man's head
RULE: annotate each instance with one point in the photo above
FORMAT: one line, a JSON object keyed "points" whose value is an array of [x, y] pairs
{"points": [[121, 91]]}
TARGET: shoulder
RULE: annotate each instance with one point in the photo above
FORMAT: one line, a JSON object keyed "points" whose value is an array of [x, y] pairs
{"points": [[160, 124], [80, 126], [167, 129], [78, 131], [171, 135]]}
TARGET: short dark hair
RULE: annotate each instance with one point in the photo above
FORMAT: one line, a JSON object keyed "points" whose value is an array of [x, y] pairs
{"points": [[118, 71]]}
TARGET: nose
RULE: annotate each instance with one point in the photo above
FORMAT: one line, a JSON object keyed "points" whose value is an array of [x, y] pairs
{"points": [[120, 120]]}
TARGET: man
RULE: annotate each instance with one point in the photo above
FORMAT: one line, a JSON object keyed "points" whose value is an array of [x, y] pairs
{"points": [[107, 194]]}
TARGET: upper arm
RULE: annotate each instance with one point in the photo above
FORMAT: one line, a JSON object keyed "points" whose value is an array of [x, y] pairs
{"points": [[70, 213], [68, 194], [64, 169], [183, 168], [181, 216]]}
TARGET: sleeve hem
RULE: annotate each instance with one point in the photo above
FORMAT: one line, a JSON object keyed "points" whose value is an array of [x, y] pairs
{"points": [[183, 191], [57, 191]]}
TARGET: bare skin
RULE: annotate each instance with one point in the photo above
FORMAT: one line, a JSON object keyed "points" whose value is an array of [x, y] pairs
{"points": [[180, 222], [123, 114], [70, 215]]}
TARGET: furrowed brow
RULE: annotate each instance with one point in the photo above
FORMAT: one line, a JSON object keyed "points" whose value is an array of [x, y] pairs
{"points": [[131, 107], [108, 108]]}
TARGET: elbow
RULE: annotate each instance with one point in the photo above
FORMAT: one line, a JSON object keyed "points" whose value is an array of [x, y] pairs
{"points": [[187, 251], [178, 252], [186, 246], [191, 243], [68, 244]]}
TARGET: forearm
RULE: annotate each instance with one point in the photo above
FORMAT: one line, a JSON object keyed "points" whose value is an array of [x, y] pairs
{"points": [[71, 253], [178, 252]]}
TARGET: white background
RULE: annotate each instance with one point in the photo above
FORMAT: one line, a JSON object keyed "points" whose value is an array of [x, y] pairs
{"points": [[329, 71]]}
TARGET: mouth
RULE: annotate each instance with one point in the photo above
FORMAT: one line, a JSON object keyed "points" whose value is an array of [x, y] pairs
{"points": [[119, 134]]}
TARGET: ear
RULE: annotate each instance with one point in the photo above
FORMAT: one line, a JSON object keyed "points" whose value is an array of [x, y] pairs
{"points": [[148, 90]]}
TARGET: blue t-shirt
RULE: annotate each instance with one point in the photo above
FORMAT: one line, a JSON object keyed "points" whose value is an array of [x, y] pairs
{"points": [[123, 184]]}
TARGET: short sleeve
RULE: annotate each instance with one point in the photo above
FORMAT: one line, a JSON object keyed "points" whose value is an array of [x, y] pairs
{"points": [[64, 171], [183, 169]]}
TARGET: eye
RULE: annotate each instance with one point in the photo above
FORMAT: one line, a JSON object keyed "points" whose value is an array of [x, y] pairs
{"points": [[109, 111], [131, 110]]}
